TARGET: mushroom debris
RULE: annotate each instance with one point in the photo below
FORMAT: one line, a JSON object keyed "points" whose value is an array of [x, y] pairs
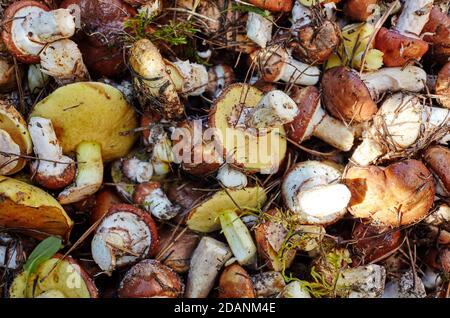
{"points": [[224, 149]]}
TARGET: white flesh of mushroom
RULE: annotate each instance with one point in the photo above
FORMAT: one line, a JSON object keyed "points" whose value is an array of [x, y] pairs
{"points": [[137, 170], [231, 178], [151, 8], [36, 78], [159, 205], [295, 290], [63, 61], [301, 16], [9, 153], [120, 239], [405, 287], [49, 26], [268, 284], [414, 16], [195, 77], [206, 263], [362, 282], [46, 146], [305, 187], [259, 29]]}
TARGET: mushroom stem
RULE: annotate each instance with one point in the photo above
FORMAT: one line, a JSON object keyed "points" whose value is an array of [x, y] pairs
{"points": [[299, 73], [231, 178], [195, 77], [152, 197], [414, 16], [434, 117], [137, 170], [9, 153], [89, 175], [301, 16], [410, 78], [259, 29], [275, 108]]}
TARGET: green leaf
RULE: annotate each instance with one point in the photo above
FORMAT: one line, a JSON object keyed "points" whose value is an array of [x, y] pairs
{"points": [[247, 8], [42, 252]]}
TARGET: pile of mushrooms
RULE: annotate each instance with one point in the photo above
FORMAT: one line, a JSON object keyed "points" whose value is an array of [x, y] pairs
{"points": [[225, 149]]}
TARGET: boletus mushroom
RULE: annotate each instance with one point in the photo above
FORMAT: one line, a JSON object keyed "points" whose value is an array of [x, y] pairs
{"points": [[235, 282], [437, 158]]}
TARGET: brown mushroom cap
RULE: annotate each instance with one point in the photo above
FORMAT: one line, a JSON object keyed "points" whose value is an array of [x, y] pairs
{"points": [[346, 96], [270, 63], [7, 36], [399, 49], [54, 182], [438, 160], [307, 100], [149, 278], [443, 85], [235, 283], [437, 32], [274, 5], [359, 10], [400, 194], [104, 199]]}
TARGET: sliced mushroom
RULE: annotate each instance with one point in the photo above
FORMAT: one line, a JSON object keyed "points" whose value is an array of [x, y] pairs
{"points": [[259, 28], [152, 198]]}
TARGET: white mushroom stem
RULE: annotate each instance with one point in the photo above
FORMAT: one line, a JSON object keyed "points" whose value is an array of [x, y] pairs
{"points": [[231, 178], [158, 204], [295, 290], [206, 263], [162, 156], [137, 170], [301, 16], [274, 109], [394, 79], [36, 78], [259, 29], [9, 153], [47, 147], [89, 174], [121, 238], [63, 61], [362, 282], [414, 16], [195, 77], [49, 26]]}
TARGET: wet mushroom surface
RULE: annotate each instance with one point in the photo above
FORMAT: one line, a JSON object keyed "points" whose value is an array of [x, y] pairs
{"points": [[224, 149]]}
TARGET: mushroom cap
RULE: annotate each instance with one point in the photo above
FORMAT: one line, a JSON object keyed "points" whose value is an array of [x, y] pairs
{"points": [[28, 207], [90, 111], [443, 85], [243, 145], [398, 49], [399, 194], [307, 100], [13, 123], [270, 62], [359, 10], [346, 96], [235, 282], [7, 36], [274, 5], [438, 160], [149, 278], [437, 29]]}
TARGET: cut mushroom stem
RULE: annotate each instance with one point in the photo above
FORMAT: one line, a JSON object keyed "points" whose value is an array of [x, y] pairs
{"points": [[414, 16], [361, 282], [52, 170], [89, 175], [137, 170], [206, 262], [231, 178], [195, 77], [9, 153], [259, 28], [238, 237], [301, 16], [152, 197], [63, 61], [295, 290]]}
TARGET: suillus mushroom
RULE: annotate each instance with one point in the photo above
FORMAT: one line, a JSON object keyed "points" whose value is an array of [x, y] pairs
{"points": [[295, 290], [268, 284], [312, 120], [361, 282], [407, 285], [352, 97], [402, 43], [219, 77], [274, 5], [235, 282], [437, 33], [259, 28], [125, 235], [406, 121], [399, 194], [152, 198], [231, 178], [305, 186], [91, 119], [437, 159], [150, 279], [30, 25], [15, 139], [361, 10], [442, 86]]}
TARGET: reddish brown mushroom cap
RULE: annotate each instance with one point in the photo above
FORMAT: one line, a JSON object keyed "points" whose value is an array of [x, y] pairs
{"points": [[437, 33], [359, 10], [307, 100], [399, 49], [235, 283], [55, 182], [399, 194], [438, 160], [443, 85], [7, 36], [346, 96], [148, 279], [274, 5]]}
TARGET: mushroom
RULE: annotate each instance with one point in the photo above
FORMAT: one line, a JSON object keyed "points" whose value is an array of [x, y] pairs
{"points": [[268, 284], [275, 63], [152, 198], [295, 290], [30, 208], [235, 283], [125, 235], [206, 262], [57, 277], [352, 97], [442, 87], [231, 178], [399, 194], [407, 285], [361, 282], [36, 79], [152, 81], [104, 199], [89, 118], [195, 77], [241, 144], [273, 5], [402, 43], [305, 186], [313, 121], [259, 28], [7, 75], [150, 279], [437, 33], [219, 77], [30, 25], [362, 10], [406, 121], [137, 170], [438, 160], [52, 170], [15, 140]]}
